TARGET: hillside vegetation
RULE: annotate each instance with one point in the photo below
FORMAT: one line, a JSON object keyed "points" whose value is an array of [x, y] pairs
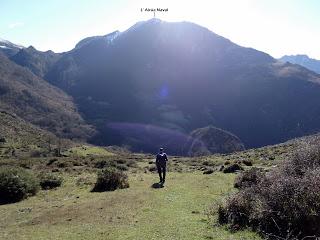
{"points": [[38, 62], [17, 132], [279, 204], [185, 208], [34, 100], [177, 211]]}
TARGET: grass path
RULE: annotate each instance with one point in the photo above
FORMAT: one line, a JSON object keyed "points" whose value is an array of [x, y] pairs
{"points": [[176, 211]]}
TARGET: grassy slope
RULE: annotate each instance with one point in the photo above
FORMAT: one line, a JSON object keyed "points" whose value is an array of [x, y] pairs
{"points": [[36, 101], [140, 212], [84, 151], [18, 132], [176, 211]]}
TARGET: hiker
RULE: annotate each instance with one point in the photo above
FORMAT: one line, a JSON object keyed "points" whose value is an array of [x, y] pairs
{"points": [[161, 162]]}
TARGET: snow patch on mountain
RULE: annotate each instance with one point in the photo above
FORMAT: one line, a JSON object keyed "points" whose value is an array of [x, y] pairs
{"points": [[9, 44], [141, 23], [109, 38]]}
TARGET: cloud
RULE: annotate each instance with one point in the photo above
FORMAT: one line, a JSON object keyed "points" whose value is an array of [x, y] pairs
{"points": [[15, 25]]}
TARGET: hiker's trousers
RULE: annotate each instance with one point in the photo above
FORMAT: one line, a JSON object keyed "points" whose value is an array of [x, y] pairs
{"points": [[162, 168]]}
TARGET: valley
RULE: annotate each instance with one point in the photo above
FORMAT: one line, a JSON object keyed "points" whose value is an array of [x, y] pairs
{"points": [[79, 131], [146, 76]]}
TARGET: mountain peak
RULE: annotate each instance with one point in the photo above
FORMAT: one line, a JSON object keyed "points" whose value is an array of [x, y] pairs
{"points": [[31, 48], [303, 60], [154, 20]]}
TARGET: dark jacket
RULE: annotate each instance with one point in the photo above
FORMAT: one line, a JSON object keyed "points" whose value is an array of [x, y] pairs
{"points": [[161, 159]]}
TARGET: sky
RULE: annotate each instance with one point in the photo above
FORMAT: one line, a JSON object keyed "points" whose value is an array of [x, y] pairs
{"points": [[277, 27]]}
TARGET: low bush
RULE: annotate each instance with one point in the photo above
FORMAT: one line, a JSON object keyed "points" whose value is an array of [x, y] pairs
{"points": [[102, 163], [153, 168], [25, 164], [132, 163], [208, 163], [282, 204], [50, 181], [64, 164], [208, 171], [110, 179], [247, 162], [232, 168], [272, 158], [122, 167], [36, 154], [16, 184], [121, 161], [249, 178], [51, 161]]}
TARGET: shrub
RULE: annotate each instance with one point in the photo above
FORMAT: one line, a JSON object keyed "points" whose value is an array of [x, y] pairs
{"points": [[208, 163], [247, 162], [110, 179], [284, 202], [249, 178], [102, 163], [50, 181], [205, 163], [232, 168], [222, 214], [153, 168], [35, 154], [25, 164], [121, 161], [122, 167], [132, 163], [64, 164], [208, 171], [272, 158], [16, 184], [51, 161]]}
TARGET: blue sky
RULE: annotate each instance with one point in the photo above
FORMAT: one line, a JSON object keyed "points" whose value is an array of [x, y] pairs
{"points": [[277, 27]]}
